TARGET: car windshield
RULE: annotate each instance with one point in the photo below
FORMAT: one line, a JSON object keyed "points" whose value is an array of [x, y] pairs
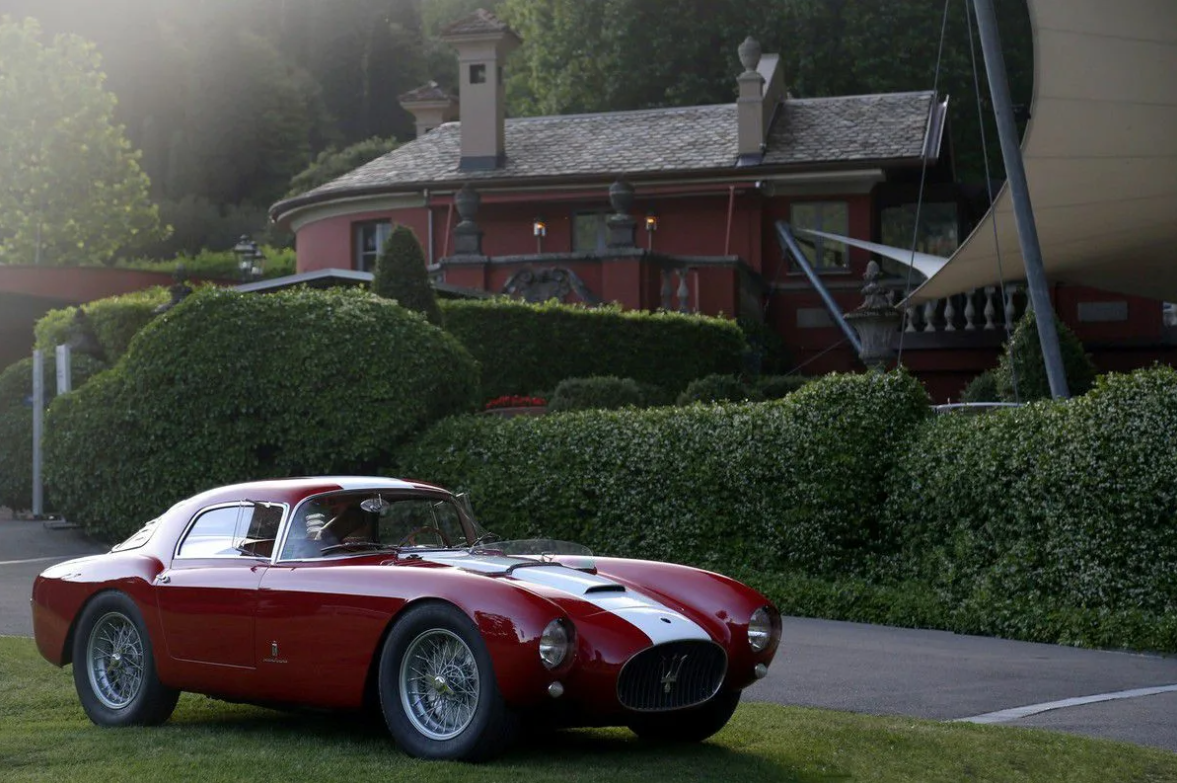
{"points": [[342, 524]]}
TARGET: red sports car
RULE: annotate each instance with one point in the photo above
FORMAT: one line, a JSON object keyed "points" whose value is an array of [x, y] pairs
{"points": [[346, 592]]}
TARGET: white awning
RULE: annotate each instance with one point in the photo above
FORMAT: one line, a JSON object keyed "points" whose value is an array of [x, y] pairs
{"points": [[924, 263], [1100, 152]]}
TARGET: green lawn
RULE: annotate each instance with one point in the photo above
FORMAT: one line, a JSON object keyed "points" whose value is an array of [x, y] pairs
{"points": [[45, 737]]}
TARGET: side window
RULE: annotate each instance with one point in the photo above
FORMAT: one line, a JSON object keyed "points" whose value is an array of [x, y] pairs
{"points": [[141, 537], [233, 531]]}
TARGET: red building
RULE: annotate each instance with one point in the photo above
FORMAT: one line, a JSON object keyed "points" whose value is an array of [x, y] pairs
{"points": [[678, 207]]}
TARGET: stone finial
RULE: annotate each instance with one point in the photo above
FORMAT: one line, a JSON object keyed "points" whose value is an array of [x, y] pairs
{"points": [[467, 202], [467, 234], [621, 197], [876, 321], [750, 53]]}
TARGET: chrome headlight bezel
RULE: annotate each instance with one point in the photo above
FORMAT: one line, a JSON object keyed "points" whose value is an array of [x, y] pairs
{"points": [[760, 629], [555, 643]]}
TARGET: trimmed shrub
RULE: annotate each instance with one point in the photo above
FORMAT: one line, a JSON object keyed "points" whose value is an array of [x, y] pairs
{"points": [[766, 352], [217, 264], [16, 423], [228, 387], [113, 321], [776, 387], [524, 347], [601, 392], [1060, 509], [401, 275], [795, 483], [718, 388], [1023, 356], [983, 388]]}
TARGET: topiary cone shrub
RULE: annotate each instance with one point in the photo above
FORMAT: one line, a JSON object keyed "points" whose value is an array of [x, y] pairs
{"points": [[228, 387], [400, 274], [1023, 356]]}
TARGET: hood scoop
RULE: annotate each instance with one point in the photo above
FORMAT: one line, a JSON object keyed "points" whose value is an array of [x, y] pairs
{"points": [[530, 570]]}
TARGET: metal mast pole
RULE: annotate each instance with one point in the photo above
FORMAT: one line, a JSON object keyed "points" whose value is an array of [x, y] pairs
{"points": [[1015, 172]]}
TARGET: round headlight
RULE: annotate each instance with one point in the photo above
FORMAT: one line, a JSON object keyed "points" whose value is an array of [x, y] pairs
{"points": [[760, 629], [554, 644]]}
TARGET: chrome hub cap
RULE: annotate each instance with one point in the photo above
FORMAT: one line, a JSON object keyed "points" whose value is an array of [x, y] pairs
{"points": [[439, 684], [114, 660]]}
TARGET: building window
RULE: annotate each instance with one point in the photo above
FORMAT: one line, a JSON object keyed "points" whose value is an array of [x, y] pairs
{"points": [[369, 241], [589, 232], [832, 217], [938, 232], [478, 74]]}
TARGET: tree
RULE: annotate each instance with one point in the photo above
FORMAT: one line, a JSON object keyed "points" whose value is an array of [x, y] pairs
{"points": [[1022, 359], [71, 189], [333, 163], [400, 274]]}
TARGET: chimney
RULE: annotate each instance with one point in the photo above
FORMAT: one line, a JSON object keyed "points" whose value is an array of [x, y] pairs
{"points": [[430, 105], [483, 43], [762, 87]]}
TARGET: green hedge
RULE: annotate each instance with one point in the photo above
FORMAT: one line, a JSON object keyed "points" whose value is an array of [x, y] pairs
{"points": [[1063, 508], [796, 483], [16, 423], [218, 264], [524, 348], [113, 321], [602, 392], [718, 388], [228, 387]]}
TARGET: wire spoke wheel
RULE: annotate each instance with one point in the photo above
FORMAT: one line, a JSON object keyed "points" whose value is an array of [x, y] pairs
{"points": [[439, 684], [114, 660]]}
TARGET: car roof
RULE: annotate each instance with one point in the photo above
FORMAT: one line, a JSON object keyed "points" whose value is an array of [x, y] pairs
{"points": [[292, 490]]}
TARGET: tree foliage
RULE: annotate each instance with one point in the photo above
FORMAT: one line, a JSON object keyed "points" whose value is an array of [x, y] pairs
{"points": [[401, 275], [333, 163], [633, 54], [71, 189], [1022, 362]]}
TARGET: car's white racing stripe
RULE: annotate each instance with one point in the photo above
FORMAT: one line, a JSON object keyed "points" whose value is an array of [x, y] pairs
{"points": [[658, 622]]}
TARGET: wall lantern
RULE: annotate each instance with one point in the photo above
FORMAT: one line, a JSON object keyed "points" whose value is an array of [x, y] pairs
{"points": [[539, 228], [651, 222]]}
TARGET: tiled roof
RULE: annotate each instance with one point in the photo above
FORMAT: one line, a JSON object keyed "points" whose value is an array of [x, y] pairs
{"points": [[863, 127], [481, 21], [816, 131], [430, 91]]}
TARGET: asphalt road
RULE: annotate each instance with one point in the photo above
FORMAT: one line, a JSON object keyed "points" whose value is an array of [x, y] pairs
{"points": [[844, 666]]}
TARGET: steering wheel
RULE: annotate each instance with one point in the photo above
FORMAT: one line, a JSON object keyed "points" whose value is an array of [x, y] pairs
{"points": [[410, 539]]}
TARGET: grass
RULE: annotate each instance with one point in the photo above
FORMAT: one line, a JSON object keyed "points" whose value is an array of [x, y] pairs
{"points": [[44, 736]]}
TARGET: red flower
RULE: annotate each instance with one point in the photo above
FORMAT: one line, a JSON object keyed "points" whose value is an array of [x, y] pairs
{"points": [[515, 401]]}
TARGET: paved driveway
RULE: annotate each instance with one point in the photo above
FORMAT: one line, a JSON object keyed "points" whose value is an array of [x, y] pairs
{"points": [[844, 666], [944, 676]]}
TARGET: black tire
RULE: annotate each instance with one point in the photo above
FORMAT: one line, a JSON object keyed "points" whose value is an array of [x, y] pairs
{"points": [[466, 719], [114, 666], [691, 725]]}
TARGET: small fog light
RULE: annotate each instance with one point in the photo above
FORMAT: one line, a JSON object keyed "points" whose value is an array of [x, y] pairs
{"points": [[760, 670], [556, 690]]}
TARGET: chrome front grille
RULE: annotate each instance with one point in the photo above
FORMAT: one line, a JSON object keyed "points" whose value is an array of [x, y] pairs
{"points": [[672, 676]]}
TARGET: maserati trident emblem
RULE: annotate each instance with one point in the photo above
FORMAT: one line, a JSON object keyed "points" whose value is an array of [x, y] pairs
{"points": [[670, 671], [274, 649]]}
